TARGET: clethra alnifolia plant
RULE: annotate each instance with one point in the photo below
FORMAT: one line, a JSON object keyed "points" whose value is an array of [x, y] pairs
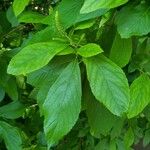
{"points": [[74, 74]]}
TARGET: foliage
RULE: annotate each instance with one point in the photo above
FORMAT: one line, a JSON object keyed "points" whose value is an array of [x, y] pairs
{"points": [[74, 74]]}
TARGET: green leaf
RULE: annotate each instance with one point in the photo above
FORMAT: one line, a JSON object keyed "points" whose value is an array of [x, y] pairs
{"points": [[11, 17], [120, 144], [117, 129], [146, 112], [140, 93], [146, 139], [2, 93], [108, 83], [31, 17], [66, 51], [11, 136], [69, 12], [89, 50], [112, 145], [91, 15], [106, 38], [139, 62], [101, 121], [133, 21], [129, 138], [92, 5], [19, 6], [62, 104], [121, 51], [4, 23], [85, 24], [34, 57], [45, 77], [102, 145], [3, 71], [44, 35], [12, 110], [11, 89]]}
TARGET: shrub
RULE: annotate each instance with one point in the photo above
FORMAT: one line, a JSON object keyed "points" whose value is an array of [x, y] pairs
{"points": [[74, 74]]}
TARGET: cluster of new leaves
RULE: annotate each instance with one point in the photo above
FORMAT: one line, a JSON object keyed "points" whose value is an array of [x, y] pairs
{"points": [[74, 74]]}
